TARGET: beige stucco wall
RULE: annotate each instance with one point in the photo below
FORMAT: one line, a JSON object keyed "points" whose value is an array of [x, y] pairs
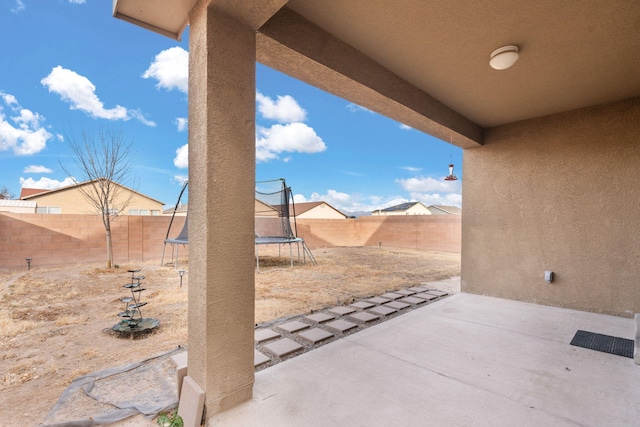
{"points": [[557, 193], [71, 201]]}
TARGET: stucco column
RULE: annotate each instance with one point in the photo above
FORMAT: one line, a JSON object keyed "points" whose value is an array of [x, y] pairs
{"points": [[221, 207]]}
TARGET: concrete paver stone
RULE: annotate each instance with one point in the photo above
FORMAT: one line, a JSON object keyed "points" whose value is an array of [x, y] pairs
{"points": [[341, 325], [362, 304], [262, 335], [436, 292], [391, 295], [283, 347], [315, 335], [180, 360], [406, 292], [377, 300], [418, 289], [396, 304], [363, 316], [413, 300], [342, 310], [259, 358], [425, 296], [191, 403], [382, 310], [293, 326], [319, 317]]}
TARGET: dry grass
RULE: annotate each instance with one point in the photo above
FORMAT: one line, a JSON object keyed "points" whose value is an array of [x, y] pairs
{"points": [[53, 321]]}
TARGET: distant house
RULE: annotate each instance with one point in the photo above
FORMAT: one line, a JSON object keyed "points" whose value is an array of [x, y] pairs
{"points": [[17, 206], [409, 208], [181, 210], [444, 210], [262, 209], [70, 200], [316, 210]]}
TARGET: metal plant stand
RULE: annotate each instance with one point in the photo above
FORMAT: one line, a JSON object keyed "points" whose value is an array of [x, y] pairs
{"points": [[132, 322]]}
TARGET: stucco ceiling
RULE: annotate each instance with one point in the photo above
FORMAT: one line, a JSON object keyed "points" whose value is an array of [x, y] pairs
{"points": [[573, 54]]}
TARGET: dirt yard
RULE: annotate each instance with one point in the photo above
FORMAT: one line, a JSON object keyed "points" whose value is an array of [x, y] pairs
{"points": [[55, 324]]}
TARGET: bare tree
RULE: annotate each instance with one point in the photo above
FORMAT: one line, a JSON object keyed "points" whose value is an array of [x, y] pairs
{"points": [[105, 160], [5, 194]]}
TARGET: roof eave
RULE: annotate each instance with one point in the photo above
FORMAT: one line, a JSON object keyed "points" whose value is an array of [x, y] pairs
{"points": [[167, 33]]}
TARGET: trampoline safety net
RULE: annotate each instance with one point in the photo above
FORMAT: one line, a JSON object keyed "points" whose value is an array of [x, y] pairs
{"points": [[274, 209]]}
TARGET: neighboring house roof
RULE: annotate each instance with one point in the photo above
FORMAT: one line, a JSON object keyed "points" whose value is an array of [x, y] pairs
{"points": [[39, 193], [26, 192], [17, 204], [182, 209], [452, 210], [401, 207], [302, 208]]}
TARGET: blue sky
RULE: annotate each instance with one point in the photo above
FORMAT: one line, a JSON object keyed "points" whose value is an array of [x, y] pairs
{"points": [[69, 67]]}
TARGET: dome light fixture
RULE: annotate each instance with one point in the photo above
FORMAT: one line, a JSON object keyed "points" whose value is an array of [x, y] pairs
{"points": [[504, 57]]}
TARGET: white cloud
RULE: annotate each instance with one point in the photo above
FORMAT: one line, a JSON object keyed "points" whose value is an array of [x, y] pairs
{"points": [[450, 199], [37, 169], [78, 91], [23, 133], [138, 115], [354, 108], [182, 123], [181, 179], [432, 191], [424, 184], [18, 7], [404, 127], [170, 68], [77, 1], [411, 169], [45, 183], [299, 198], [292, 137], [9, 99], [284, 110], [182, 157]]}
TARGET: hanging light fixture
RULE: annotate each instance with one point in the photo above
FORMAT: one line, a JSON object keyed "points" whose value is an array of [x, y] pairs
{"points": [[504, 57]]}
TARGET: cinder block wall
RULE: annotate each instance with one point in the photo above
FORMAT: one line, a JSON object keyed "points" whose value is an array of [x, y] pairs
{"points": [[54, 240], [423, 232]]}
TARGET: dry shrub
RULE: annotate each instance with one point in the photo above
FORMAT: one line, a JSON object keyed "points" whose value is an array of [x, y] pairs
{"points": [[20, 373], [76, 373], [70, 320], [91, 353], [10, 328], [168, 296]]}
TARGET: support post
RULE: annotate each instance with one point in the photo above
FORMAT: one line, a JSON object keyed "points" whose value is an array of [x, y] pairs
{"points": [[221, 206]]}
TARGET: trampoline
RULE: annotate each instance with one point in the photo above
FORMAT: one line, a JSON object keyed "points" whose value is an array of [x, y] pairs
{"points": [[274, 208]]}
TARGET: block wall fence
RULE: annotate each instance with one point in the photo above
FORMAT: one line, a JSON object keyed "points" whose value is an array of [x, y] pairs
{"points": [[58, 240]]}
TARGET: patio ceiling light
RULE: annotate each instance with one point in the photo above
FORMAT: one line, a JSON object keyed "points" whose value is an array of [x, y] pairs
{"points": [[504, 57]]}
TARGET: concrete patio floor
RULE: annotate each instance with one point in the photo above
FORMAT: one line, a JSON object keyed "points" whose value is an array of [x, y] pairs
{"points": [[465, 360]]}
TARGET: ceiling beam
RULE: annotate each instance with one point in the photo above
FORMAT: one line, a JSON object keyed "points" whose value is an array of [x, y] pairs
{"points": [[295, 46]]}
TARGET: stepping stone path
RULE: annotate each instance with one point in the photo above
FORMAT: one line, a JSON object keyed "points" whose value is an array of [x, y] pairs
{"points": [[384, 311], [286, 338]]}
